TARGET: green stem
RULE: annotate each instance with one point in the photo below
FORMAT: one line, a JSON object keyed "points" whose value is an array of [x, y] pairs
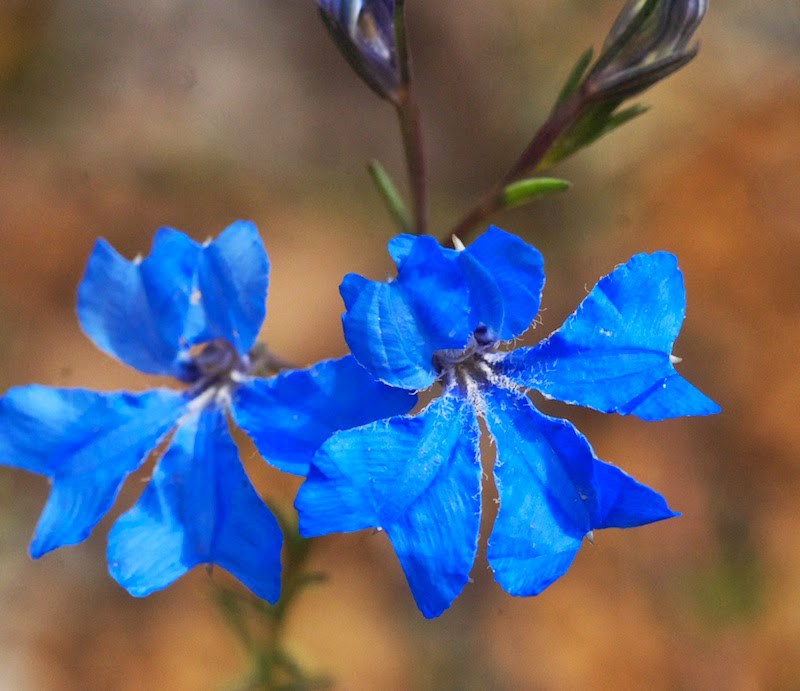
{"points": [[260, 626], [391, 197]]}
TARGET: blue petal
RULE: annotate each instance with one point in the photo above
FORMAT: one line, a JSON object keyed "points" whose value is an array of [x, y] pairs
{"points": [[87, 443], [136, 310], [553, 490], [613, 353], [516, 269], [670, 397], [624, 503], [543, 476], [400, 247], [394, 328], [199, 508], [416, 477], [351, 287], [486, 303], [290, 415], [148, 312], [505, 277], [229, 300]]}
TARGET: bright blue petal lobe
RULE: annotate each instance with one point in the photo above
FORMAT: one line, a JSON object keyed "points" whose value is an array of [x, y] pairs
{"points": [[416, 477], [613, 353], [516, 269], [199, 508], [400, 247], [86, 443], [504, 275], [394, 328], [543, 474], [290, 415], [351, 287], [670, 397], [486, 303], [229, 296], [136, 310], [624, 503], [553, 490]]}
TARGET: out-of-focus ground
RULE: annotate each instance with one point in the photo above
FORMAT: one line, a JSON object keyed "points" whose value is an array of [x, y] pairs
{"points": [[117, 117]]}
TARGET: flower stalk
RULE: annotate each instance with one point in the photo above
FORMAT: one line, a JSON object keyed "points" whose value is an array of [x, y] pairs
{"points": [[648, 41], [371, 35], [411, 130], [260, 627], [408, 114]]}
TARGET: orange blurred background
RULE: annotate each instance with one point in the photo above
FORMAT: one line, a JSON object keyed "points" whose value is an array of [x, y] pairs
{"points": [[117, 117]]}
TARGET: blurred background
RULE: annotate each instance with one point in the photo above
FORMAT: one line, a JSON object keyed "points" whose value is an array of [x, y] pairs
{"points": [[117, 117]]}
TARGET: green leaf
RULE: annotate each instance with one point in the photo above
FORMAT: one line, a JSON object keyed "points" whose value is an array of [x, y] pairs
{"points": [[391, 197], [524, 191], [597, 121], [620, 118], [574, 79]]}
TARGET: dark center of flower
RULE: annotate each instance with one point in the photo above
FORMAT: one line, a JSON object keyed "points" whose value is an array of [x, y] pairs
{"points": [[216, 364], [469, 366]]}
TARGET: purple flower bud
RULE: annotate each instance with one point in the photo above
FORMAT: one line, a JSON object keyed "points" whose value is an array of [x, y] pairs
{"points": [[365, 34], [647, 42]]}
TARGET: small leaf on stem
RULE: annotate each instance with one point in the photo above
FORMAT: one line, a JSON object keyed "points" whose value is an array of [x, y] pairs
{"points": [[391, 197], [575, 76], [524, 191]]}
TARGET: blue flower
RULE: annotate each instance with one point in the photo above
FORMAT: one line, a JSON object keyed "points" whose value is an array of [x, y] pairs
{"points": [[419, 477], [192, 312], [365, 34]]}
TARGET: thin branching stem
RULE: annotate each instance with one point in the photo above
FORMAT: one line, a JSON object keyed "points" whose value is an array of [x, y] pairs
{"points": [[559, 122], [260, 626], [411, 130]]}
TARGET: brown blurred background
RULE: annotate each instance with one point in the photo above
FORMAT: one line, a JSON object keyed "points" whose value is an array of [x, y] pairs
{"points": [[117, 117]]}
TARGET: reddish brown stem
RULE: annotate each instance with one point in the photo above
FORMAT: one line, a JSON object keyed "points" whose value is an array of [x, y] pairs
{"points": [[558, 123], [410, 127]]}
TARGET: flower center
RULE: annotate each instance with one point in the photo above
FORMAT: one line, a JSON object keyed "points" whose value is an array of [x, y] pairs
{"points": [[470, 366], [216, 365]]}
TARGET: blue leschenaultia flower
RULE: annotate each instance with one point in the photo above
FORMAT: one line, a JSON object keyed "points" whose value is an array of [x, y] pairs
{"points": [[193, 312], [419, 477]]}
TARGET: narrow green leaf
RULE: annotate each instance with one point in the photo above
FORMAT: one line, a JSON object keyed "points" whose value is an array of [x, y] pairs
{"points": [[574, 79], [524, 191], [620, 118], [391, 197], [588, 129]]}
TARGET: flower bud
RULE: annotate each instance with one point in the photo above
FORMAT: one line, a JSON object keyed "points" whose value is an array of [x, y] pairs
{"points": [[364, 31], [647, 42]]}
